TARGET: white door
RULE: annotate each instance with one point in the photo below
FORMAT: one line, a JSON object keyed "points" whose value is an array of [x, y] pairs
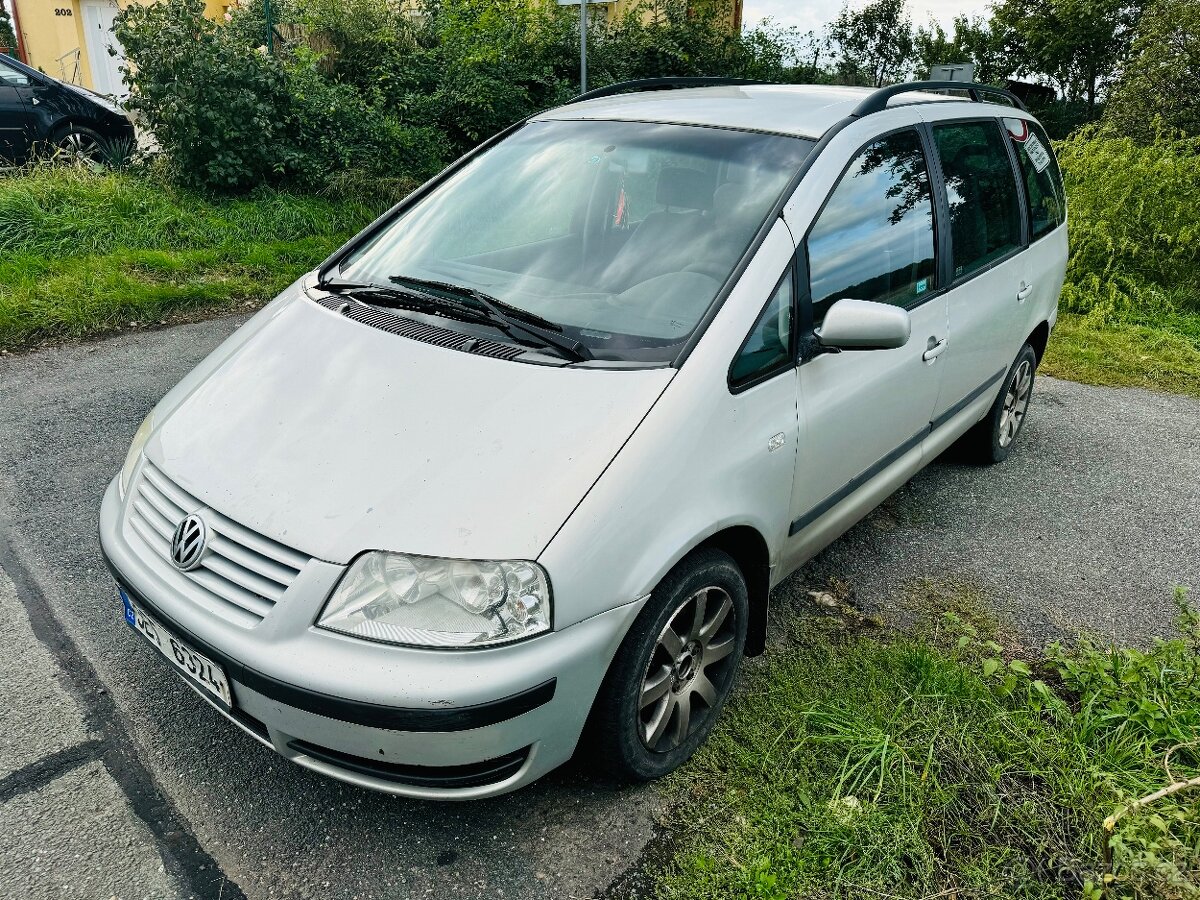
{"points": [[98, 17], [865, 412]]}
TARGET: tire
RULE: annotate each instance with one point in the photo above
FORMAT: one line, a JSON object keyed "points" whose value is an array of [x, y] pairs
{"points": [[992, 440], [81, 147], [634, 740]]}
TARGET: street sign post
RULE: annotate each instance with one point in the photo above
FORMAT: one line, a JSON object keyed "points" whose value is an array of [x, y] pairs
{"points": [[582, 4]]}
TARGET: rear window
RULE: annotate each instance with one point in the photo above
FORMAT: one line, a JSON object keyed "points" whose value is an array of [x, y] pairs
{"points": [[1039, 170]]}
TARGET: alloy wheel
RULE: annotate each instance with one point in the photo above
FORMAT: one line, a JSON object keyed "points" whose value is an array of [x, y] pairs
{"points": [[689, 669], [80, 149], [1016, 402]]}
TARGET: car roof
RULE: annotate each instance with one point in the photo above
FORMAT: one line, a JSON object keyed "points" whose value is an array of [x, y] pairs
{"points": [[803, 110]]}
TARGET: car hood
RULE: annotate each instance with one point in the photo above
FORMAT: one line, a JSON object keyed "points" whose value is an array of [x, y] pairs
{"points": [[334, 437]]}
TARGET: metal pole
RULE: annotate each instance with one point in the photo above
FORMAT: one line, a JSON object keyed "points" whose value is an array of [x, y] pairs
{"points": [[583, 46], [270, 27]]}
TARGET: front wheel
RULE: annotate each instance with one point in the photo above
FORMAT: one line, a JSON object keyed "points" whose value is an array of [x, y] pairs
{"points": [[993, 439], [674, 670]]}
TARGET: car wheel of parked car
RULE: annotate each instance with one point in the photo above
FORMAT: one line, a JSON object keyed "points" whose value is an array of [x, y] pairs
{"points": [[81, 146], [674, 669], [993, 439]]}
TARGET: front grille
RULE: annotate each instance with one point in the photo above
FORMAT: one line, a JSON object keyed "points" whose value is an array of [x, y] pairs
{"points": [[243, 574]]}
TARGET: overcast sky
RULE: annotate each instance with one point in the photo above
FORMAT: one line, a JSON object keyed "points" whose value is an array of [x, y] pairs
{"points": [[810, 15]]}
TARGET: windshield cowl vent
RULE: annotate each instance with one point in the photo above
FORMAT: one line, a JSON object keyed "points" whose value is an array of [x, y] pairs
{"points": [[418, 331]]}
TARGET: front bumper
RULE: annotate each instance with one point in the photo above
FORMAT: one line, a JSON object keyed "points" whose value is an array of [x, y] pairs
{"points": [[433, 724]]}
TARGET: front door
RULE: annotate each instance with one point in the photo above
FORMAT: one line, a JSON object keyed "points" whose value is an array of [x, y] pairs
{"points": [[864, 413], [15, 123], [98, 18]]}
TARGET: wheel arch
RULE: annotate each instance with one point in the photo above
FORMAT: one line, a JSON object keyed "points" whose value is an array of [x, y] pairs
{"points": [[748, 548], [1038, 339]]}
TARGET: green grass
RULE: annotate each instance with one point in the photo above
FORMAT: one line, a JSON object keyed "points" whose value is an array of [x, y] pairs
{"points": [[82, 254], [1121, 354], [874, 764]]}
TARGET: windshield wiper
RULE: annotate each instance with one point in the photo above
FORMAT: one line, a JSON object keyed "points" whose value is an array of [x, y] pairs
{"points": [[505, 316], [398, 298]]}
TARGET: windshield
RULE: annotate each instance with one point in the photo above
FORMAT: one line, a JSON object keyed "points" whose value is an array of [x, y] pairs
{"points": [[620, 233]]}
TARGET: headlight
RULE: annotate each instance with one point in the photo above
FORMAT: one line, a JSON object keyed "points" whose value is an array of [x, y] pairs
{"points": [[422, 601], [135, 452]]}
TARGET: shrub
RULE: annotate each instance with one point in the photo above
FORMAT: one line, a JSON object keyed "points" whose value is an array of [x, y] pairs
{"points": [[1135, 238], [229, 115]]}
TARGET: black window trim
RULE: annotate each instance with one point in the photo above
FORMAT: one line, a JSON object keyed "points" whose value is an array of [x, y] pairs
{"points": [[1014, 171], [804, 297], [789, 362]]}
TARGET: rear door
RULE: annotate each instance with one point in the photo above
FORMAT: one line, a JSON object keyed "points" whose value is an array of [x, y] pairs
{"points": [[15, 121], [983, 260], [1046, 209], [866, 412]]}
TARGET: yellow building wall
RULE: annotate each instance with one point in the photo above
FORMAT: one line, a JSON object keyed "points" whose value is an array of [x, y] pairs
{"points": [[52, 29]]}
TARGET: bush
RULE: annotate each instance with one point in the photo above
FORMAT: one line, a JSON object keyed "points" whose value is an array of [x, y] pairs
{"points": [[1135, 238], [230, 116], [377, 89]]}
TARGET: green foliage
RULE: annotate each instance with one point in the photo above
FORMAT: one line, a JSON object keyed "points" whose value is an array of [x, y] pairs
{"points": [[1135, 238], [231, 116], [873, 44], [8, 37], [83, 253], [859, 766], [1080, 44], [973, 41], [1160, 85]]}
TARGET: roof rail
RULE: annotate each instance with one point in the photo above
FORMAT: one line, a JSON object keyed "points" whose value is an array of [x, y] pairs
{"points": [[878, 100], [661, 84]]}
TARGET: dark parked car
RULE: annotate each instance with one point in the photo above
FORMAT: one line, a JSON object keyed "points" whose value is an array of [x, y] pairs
{"points": [[41, 114]]}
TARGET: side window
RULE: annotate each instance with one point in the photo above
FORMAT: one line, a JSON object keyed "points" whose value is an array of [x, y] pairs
{"points": [[874, 238], [768, 346], [985, 213], [1039, 169], [12, 77]]}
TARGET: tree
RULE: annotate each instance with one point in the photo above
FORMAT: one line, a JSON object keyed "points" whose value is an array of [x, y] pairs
{"points": [[973, 41], [1161, 81], [8, 37], [873, 45], [1078, 44]]}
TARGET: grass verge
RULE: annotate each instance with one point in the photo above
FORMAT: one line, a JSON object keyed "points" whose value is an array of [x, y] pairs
{"points": [[82, 254], [869, 764], [1126, 354]]}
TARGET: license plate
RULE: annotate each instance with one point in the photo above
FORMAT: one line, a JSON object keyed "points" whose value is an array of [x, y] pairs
{"points": [[194, 666]]}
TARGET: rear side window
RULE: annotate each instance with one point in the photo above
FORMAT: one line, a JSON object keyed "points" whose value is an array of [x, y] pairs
{"points": [[985, 213], [768, 347], [874, 238], [1039, 169]]}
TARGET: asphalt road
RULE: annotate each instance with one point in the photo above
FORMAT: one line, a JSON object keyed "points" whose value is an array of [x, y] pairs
{"points": [[116, 781]]}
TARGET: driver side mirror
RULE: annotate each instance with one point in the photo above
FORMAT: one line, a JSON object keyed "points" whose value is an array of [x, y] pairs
{"points": [[864, 325]]}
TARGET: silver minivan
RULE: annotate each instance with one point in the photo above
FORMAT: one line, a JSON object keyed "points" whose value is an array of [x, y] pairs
{"points": [[512, 475]]}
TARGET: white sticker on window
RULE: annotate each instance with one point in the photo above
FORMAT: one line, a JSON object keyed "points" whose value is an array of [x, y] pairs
{"points": [[1038, 155]]}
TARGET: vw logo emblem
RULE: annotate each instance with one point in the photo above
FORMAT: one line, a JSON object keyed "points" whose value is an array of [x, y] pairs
{"points": [[189, 543]]}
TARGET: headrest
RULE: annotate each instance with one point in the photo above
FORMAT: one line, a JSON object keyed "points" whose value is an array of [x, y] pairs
{"points": [[684, 188]]}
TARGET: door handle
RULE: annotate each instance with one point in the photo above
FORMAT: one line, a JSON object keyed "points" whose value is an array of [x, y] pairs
{"points": [[1023, 292], [935, 349]]}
